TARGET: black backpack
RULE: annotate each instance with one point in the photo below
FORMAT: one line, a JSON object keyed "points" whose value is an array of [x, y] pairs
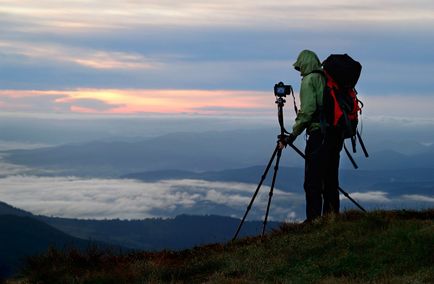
{"points": [[341, 107]]}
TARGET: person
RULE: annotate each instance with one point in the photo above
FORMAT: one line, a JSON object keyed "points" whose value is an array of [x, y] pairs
{"points": [[323, 147]]}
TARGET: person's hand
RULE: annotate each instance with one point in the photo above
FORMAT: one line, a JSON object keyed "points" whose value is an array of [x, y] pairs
{"points": [[281, 141], [284, 140]]}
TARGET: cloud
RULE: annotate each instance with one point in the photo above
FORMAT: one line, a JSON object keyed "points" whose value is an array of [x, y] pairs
{"points": [[98, 198], [370, 196], [380, 200], [88, 105], [10, 101], [11, 169], [78, 16], [390, 111], [8, 169], [14, 145], [112, 198], [401, 107], [86, 57], [118, 101], [52, 101], [418, 197], [210, 44]]}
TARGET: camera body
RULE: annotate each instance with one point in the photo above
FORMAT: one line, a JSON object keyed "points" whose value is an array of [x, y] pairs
{"points": [[281, 90]]}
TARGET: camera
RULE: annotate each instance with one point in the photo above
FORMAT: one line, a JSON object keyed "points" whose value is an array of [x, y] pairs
{"points": [[281, 90]]}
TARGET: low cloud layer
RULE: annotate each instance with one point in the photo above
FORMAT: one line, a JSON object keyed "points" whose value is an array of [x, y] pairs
{"points": [[97, 198], [129, 199]]}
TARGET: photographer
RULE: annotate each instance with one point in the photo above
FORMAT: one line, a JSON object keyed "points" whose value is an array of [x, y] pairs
{"points": [[323, 148]]}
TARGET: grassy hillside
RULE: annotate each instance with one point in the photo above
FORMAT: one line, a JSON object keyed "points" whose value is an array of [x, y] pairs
{"points": [[21, 237], [379, 247]]}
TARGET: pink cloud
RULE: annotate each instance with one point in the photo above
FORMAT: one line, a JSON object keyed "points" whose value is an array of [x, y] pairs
{"points": [[117, 101]]}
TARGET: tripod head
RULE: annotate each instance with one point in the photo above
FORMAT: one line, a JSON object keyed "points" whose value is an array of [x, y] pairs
{"points": [[280, 101], [280, 91]]}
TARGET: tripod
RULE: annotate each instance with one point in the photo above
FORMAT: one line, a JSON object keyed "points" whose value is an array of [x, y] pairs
{"points": [[280, 101]]}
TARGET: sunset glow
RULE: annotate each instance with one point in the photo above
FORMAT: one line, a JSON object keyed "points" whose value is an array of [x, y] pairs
{"points": [[147, 101]]}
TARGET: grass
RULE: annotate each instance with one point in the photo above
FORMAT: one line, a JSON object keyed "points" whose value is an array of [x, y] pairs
{"points": [[378, 247]]}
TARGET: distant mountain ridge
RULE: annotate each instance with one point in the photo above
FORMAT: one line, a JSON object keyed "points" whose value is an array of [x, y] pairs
{"points": [[194, 152], [420, 180]]}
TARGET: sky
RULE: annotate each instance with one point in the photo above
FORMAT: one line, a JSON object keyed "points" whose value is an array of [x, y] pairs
{"points": [[214, 58]]}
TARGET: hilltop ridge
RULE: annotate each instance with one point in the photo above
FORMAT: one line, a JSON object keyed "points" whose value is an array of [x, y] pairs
{"points": [[379, 247]]}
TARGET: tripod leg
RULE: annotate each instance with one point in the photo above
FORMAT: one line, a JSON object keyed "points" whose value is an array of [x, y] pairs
{"points": [[276, 168], [298, 151], [256, 192], [349, 197]]}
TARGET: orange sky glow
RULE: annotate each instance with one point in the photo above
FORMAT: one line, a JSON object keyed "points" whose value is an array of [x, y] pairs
{"points": [[133, 101]]}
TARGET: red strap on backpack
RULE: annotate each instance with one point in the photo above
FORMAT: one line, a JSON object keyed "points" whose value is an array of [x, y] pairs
{"points": [[332, 85], [356, 108]]}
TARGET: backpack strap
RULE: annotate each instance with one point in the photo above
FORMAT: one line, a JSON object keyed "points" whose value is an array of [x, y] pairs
{"points": [[362, 144], [350, 157]]}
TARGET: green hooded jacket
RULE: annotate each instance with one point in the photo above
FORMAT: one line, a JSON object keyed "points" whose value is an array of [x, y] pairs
{"points": [[311, 93]]}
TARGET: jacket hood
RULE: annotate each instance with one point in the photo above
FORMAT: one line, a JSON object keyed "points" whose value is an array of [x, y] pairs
{"points": [[307, 61]]}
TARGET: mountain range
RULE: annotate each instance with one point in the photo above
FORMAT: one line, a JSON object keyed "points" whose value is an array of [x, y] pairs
{"points": [[290, 179], [197, 152], [23, 234]]}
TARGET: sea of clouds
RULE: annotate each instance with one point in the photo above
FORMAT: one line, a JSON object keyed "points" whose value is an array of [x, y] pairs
{"points": [[96, 198]]}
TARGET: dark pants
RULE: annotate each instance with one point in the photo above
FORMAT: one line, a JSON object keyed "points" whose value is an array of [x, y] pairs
{"points": [[321, 179]]}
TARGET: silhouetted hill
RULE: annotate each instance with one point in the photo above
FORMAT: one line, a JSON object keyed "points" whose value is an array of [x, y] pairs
{"points": [[6, 209], [181, 232], [378, 247], [22, 236]]}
